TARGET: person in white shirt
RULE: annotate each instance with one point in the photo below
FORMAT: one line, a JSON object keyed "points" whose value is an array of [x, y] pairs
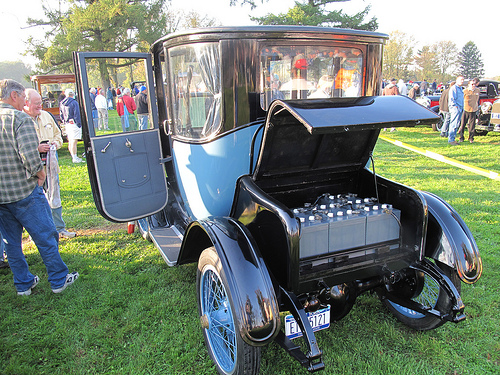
{"points": [[102, 109], [403, 89]]}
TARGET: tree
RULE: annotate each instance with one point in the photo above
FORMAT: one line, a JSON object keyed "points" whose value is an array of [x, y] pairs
{"points": [[426, 61], [446, 54], [398, 56], [15, 70], [314, 13], [97, 25], [192, 19], [470, 61]]}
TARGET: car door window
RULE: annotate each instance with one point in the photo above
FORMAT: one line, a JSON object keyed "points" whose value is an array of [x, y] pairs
{"points": [[118, 96], [196, 89]]}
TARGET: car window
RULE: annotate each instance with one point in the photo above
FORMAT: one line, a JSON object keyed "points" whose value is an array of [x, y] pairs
{"points": [[303, 72], [118, 95], [195, 89]]}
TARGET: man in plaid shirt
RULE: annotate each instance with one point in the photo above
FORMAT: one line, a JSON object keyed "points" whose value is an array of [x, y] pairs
{"points": [[22, 201]]}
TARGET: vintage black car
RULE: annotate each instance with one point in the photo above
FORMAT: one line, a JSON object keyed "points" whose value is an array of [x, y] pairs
{"points": [[257, 164]]}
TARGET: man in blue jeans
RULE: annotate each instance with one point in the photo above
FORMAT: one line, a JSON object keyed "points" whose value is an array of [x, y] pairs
{"points": [[456, 107], [22, 200]]}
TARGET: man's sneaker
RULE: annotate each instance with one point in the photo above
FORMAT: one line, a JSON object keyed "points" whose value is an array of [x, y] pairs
{"points": [[65, 234], [4, 264], [28, 292], [76, 159], [70, 279]]}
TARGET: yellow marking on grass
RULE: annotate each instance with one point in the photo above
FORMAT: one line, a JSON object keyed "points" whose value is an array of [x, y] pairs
{"points": [[433, 155]]}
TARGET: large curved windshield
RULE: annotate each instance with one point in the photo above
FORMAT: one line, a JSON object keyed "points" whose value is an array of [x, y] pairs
{"points": [[196, 89], [303, 72]]}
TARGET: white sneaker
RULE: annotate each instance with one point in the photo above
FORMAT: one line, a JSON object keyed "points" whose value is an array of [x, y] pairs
{"points": [[66, 234], [76, 159], [70, 279], [28, 292]]}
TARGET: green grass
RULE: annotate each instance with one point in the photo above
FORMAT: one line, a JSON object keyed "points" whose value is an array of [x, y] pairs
{"points": [[129, 313]]}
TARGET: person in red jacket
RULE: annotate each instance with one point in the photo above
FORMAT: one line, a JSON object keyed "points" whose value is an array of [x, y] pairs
{"points": [[125, 106]]}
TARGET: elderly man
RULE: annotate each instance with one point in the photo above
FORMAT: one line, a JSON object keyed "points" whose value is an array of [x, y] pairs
{"points": [[48, 135], [22, 201]]}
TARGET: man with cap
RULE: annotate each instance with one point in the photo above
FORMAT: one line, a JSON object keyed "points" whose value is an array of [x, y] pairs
{"points": [[391, 88], [141, 101]]}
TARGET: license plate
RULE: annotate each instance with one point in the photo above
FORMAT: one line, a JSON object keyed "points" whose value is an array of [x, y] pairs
{"points": [[318, 319], [495, 115]]}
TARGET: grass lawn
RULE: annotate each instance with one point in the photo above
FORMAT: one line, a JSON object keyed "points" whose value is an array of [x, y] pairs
{"points": [[129, 313]]}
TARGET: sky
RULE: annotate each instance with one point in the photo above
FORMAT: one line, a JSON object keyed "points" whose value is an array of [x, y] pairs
{"points": [[428, 21]]}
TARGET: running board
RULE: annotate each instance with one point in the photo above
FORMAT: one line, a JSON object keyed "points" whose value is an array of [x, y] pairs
{"points": [[168, 241]]}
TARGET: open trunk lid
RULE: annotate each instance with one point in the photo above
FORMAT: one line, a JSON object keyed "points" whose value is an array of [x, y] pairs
{"points": [[304, 138]]}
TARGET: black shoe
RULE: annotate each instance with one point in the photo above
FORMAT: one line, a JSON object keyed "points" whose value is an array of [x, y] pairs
{"points": [[4, 264]]}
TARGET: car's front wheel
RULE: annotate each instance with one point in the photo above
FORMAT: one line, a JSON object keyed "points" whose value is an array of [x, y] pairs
{"points": [[426, 291], [226, 347]]}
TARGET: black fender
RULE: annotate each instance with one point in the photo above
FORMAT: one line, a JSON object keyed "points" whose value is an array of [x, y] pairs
{"points": [[450, 241], [251, 288]]}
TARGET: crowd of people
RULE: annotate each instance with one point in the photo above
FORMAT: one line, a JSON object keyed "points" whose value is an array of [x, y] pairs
{"points": [[458, 106]]}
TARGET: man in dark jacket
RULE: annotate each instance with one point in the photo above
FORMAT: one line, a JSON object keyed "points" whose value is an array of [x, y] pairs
{"points": [[141, 101], [444, 111], [70, 116]]}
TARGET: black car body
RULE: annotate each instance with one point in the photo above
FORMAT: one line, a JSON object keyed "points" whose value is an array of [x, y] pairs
{"points": [[255, 165]]}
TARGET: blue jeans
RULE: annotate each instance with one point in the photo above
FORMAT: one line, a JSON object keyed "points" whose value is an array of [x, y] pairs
{"points": [[58, 220], [143, 121], [446, 123], [32, 213], [455, 118]]}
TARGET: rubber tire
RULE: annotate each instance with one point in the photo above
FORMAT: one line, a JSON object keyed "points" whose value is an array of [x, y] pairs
{"points": [[246, 361], [423, 322], [437, 127]]}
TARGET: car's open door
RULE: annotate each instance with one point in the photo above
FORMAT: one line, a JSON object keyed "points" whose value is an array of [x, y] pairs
{"points": [[124, 157]]}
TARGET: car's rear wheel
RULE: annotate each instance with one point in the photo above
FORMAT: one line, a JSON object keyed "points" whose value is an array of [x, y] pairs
{"points": [[426, 291], [225, 345], [439, 125]]}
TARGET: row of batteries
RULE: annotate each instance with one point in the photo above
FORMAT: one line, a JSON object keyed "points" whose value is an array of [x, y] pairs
{"points": [[340, 222]]}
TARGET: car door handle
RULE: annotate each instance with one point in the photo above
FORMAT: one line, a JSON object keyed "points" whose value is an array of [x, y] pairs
{"points": [[129, 145], [105, 147]]}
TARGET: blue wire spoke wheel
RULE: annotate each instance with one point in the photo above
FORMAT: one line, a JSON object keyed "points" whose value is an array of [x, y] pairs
{"points": [[231, 355], [430, 295]]}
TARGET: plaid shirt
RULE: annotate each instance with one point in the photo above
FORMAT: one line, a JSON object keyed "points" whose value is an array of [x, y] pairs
{"points": [[19, 157]]}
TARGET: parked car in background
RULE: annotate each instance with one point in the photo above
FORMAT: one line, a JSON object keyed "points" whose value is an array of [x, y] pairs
{"points": [[489, 91], [257, 168], [51, 87]]}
